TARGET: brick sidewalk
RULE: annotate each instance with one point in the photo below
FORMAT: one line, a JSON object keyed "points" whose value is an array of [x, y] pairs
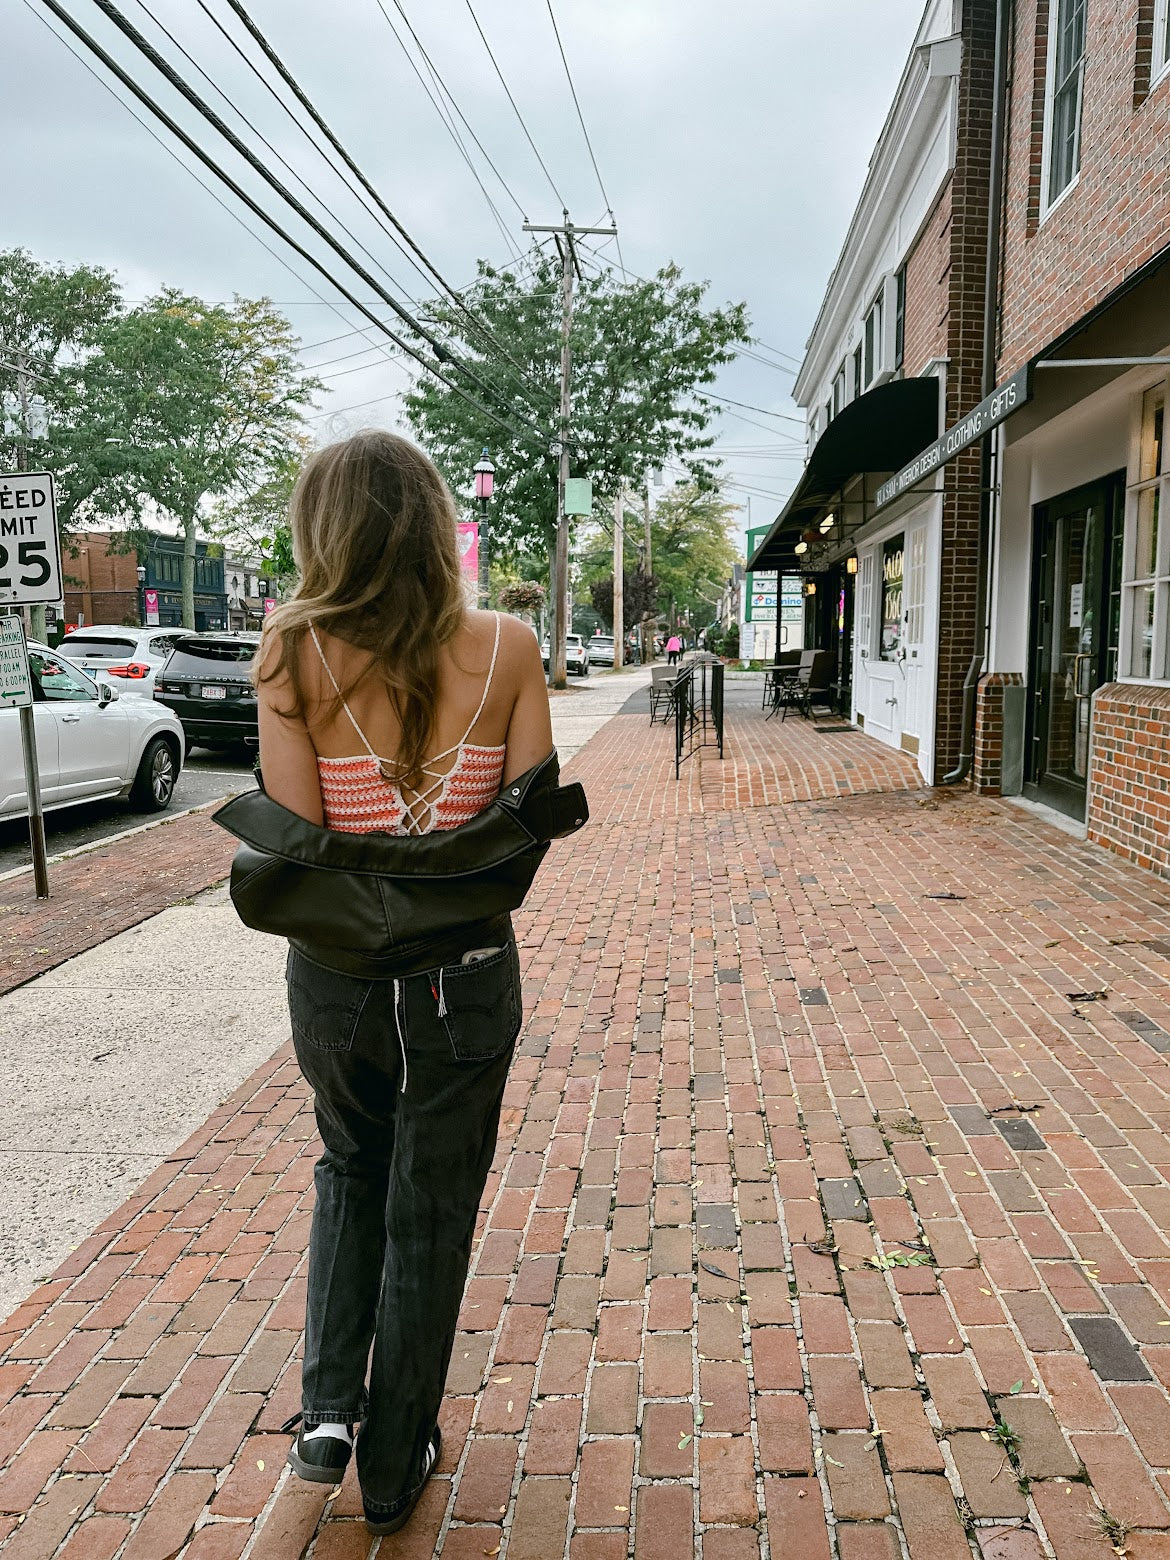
{"points": [[824, 1220]]}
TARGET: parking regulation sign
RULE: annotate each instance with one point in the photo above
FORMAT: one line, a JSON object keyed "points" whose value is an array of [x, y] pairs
{"points": [[30, 549], [15, 678]]}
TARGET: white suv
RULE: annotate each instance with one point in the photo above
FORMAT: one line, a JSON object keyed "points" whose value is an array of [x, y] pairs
{"points": [[127, 658], [90, 743], [576, 655]]}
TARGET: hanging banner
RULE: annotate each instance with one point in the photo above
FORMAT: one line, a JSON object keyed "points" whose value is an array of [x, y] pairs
{"points": [[468, 535], [150, 601]]}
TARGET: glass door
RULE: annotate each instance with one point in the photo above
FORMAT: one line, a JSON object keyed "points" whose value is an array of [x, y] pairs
{"points": [[1073, 637]]}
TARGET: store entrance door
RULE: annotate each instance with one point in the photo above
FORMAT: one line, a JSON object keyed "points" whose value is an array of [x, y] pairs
{"points": [[1073, 636]]}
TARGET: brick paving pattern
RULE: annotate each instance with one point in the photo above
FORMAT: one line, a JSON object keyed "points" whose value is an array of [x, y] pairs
{"points": [[100, 892], [827, 1221]]}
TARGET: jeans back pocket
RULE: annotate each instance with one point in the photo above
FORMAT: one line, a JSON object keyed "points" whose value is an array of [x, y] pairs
{"points": [[325, 1006], [480, 1005]]}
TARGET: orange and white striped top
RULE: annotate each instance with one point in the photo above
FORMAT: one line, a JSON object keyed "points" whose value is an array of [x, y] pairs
{"points": [[358, 798]]}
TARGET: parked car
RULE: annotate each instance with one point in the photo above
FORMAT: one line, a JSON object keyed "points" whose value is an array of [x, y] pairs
{"points": [[127, 658], [206, 681], [601, 650], [576, 655], [91, 743]]}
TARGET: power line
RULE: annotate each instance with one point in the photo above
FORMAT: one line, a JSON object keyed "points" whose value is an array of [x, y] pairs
{"points": [[442, 353], [449, 123], [259, 134], [511, 99], [317, 300], [748, 407], [585, 132], [252, 205], [370, 190]]}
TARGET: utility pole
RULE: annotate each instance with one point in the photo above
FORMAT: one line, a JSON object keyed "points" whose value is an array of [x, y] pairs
{"points": [[647, 628], [619, 582], [564, 233]]}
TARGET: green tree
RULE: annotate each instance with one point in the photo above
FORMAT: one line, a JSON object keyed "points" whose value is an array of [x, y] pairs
{"points": [[642, 352], [255, 522], [212, 397], [51, 320], [692, 535]]}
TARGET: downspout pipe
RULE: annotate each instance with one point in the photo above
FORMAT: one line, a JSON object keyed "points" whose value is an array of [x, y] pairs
{"points": [[987, 385]]}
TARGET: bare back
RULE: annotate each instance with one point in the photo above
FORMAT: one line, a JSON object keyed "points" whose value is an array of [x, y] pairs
{"points": [[507, 711]]}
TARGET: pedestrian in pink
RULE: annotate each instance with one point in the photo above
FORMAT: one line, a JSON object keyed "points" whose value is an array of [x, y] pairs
{"points": [[673, 649]]}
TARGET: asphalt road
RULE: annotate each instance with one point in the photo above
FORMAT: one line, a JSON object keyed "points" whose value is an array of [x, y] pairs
{"points": [[206, 777]]}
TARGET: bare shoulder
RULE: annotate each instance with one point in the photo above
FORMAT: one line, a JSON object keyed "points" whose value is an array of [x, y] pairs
{"points": [[518, 646]]}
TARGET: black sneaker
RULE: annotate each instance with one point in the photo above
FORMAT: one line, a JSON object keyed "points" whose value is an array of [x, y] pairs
{"points": [[322, 1460], [383, 1522]]}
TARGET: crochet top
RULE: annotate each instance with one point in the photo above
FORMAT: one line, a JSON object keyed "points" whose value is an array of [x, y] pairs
{"points": [[359, 798]]}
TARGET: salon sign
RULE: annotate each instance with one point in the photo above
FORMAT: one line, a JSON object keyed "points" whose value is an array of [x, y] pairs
{"points": [[30, 549]]}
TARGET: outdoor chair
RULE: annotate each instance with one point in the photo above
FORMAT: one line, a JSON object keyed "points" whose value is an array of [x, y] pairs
{"points": [[785, 681], [783, 668], [662, 691], [812, 686]]}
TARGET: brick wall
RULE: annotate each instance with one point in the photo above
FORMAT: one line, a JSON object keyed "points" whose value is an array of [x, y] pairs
{"points": [[928, 268], [1053, 273], [99, 583], [1129, 773], [965, 293], [989, 730]]}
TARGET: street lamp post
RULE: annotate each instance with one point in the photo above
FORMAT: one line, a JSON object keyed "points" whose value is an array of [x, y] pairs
{"points": [[485, 480], [142, 594]]}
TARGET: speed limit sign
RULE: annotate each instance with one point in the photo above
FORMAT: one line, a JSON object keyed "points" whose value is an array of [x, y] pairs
{"points": [[30, 549]]}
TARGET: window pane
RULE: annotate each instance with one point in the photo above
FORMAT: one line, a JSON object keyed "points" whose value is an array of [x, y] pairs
{"points": [[1142, 632], [1065, 86], [1145, 557], [1153, 419], [53, 679]]}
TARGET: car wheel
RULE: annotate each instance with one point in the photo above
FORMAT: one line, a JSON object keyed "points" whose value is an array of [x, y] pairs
{"points": [[154, 784]]}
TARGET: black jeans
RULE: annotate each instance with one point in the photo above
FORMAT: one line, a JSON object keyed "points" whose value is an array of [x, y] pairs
{"points": [[408, 1077]]}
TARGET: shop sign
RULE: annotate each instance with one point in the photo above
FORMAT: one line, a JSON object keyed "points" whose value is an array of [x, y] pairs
{"points": [[990, 412]]}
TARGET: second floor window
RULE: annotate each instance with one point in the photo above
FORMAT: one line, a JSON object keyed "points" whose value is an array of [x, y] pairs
{"points": [[1066, 78], [839, 390], [873, 342], [900, 317]]}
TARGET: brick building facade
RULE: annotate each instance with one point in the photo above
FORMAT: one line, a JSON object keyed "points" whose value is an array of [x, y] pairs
{"points": [[1080, 575], [911, 275], [101, 585]]}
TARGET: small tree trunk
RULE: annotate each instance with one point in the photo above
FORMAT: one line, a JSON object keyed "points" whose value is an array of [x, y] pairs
{"points": [[189, 571]]}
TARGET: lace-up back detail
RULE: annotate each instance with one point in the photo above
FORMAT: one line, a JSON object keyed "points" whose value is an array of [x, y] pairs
{"points": [[359, 798]]}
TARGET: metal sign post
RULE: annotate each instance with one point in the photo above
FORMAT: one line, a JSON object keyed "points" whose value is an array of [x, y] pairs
{"points": [[16, 691], [30, 573]]}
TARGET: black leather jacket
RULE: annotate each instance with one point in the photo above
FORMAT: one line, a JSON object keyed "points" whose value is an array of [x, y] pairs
{"points": [[382, 905]]}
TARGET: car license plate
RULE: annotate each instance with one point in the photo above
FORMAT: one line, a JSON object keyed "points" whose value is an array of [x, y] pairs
{"points": [[213, 693]]}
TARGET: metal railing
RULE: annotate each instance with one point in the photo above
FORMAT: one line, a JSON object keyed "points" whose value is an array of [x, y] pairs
{"points": [[698, 710]]}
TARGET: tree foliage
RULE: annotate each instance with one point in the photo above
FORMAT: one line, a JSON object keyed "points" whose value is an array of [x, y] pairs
{"points": [[211, 397], [641, 353], [639, 599], [51, 322], [694, 550], [255, 521]]}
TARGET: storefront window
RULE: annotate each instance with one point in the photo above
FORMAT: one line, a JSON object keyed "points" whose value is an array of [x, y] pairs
{"points": [[893, 557], [1146, 605]]}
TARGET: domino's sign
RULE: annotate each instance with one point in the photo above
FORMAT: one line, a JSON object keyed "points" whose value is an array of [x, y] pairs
{"points": [[30, 548]]}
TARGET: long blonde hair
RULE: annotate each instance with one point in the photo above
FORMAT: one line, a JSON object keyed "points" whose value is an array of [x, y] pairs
{"points": [[373, 533]]}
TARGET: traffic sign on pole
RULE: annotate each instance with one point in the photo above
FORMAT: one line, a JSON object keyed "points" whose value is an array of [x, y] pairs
{"points": [[15, 677], [30, 548]]}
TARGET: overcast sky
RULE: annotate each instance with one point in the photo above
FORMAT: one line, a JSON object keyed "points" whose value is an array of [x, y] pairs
{"points": [[732, 137]]}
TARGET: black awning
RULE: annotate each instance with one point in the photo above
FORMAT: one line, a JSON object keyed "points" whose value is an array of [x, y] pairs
{"points": [[882, 430]]}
